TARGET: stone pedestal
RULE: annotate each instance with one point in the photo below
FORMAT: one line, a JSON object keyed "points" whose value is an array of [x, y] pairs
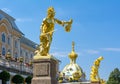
{"points": [[44, 71], [95, 82]]}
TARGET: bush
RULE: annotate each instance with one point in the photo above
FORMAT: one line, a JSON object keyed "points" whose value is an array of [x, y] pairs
{"points": [[4, 76], [17, 79], [28, 79]]}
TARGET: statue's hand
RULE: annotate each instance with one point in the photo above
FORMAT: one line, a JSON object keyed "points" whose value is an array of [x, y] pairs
{"points": [[68, 26], [70, 21]]}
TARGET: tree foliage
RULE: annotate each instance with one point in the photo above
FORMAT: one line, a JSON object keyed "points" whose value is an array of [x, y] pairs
{"points": [[28, 79], [114, 77], [17, 79], [4, 76]]}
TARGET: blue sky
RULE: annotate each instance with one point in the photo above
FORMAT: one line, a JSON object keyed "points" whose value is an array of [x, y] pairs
{"points": [[95, 29]]}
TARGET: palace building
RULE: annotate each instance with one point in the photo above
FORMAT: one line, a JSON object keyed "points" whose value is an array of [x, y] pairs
{"points": [[16, 51]]}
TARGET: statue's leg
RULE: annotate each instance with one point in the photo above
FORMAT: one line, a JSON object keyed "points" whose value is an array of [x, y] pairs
{"points": [[49, 42], [43, 46]]}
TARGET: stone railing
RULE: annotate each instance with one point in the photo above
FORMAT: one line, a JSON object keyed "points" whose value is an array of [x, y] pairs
{"points": [[15, 67], [86, 82], [76, 83]]}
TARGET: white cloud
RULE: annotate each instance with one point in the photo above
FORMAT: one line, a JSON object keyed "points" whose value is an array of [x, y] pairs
{"points": [[64, 54], [6, 9], [23, 19], [92, 52], [60, 54], [79, 53], [111, 49]]}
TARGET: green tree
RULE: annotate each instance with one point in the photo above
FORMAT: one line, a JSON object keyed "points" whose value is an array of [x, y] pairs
{"points": [[114, 77], [4, 76], [28, 79], [18, 79]]}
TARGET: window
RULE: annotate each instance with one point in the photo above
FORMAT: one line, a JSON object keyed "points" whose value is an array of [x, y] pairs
{"points": [[3, 51], [26, 54], [3, 37], [26, 60], [21, 52], [31, 56], [16, 44], [16, 56], [9, 50], [8, 41]]}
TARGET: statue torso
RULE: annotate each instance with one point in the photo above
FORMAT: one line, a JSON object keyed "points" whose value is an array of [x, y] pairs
{"points": [[48, 25]]}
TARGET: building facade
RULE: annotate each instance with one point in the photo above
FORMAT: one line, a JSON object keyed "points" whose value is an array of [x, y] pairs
{"points": [[16, 51]]}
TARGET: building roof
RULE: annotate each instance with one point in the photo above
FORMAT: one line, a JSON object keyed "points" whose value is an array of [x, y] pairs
{"points": [[28, 42], [23, 39], [72, 67], [11, 20]]}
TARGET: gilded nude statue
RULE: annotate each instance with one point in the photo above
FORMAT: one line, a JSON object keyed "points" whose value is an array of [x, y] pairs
{"points": [[47, 30]]}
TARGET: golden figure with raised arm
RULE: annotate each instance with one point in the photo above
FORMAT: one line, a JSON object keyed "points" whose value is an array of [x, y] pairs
{"points": [[94, 75], [47, 29]]}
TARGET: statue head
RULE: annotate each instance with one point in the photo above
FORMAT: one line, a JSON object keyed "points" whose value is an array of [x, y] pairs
{"points": [[100, 58], [50, 12], [97, 61]]}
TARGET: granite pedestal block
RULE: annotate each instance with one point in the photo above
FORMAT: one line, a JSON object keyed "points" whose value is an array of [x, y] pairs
{"points": [[44, 71], [97, 82]]}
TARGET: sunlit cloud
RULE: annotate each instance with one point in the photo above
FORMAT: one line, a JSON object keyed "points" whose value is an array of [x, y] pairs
{"points": [[6, 9], [60, 54], [111, 49], [80, 54], [92, 51], [23, 19], [64, 54]]}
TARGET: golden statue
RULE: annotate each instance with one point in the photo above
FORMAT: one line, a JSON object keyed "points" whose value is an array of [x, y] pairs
{"points": [[94, 75], [47, 29]]}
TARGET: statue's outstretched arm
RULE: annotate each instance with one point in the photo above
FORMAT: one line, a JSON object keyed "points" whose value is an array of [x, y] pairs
{"points": [[65, 24], [59, 22]]}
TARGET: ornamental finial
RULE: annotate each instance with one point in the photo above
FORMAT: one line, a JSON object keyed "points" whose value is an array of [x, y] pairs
{"points": [[73, 45]]}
